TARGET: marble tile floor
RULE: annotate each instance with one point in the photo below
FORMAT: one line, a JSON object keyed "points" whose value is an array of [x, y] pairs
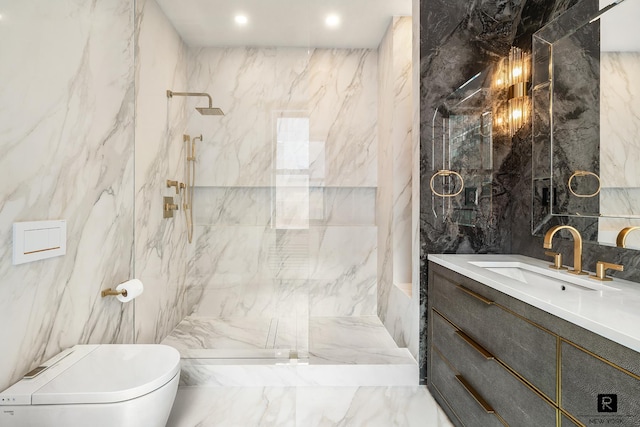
{"points": [[306, 407]]}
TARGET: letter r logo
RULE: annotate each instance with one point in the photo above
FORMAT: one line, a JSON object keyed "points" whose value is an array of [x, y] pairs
{"points": [[607, 403]]}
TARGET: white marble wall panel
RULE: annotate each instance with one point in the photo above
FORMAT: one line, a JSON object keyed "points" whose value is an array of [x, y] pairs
{"points": [[343, 271], [397, 308], [401, 140], [384, 195], [67, 103], [333, 90], [334, 206], [343, 112], [161, 247], [247, 270], [235, 206]]}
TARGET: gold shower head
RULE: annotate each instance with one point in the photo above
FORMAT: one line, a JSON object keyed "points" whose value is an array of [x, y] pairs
{"points": [[205, 111]]}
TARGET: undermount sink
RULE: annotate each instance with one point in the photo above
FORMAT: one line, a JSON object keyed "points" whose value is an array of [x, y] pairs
{"points": [[538, 277]]}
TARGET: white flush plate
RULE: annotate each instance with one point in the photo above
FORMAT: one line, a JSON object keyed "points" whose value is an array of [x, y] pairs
{"points": [[36, 240]]}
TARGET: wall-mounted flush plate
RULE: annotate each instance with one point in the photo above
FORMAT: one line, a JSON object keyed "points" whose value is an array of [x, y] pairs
{"points": [[36, 240], [168, 207]]}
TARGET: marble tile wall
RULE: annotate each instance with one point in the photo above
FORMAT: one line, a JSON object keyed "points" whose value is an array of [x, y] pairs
{"points": [[67, 126], [161, 248], [457, 41], [394, 195], [285, 198]]}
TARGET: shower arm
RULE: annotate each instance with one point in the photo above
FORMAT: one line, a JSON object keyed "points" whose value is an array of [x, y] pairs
{"points": [[171, 94]]}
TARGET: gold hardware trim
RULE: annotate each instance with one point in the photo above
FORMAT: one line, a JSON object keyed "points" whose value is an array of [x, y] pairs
{"points": [[601, 271], [602, 359], [477, 347], [475, 295], [577, 246], [584, 173], [476, 396], [168, 207], [502, 363], [171, 183], [570, 418], [113, 292], [557, 260], [446, 172], [622, 236], [42, 250]]}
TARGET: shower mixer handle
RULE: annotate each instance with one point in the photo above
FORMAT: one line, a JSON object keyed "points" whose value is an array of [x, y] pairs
{"points": [[171, 183]]}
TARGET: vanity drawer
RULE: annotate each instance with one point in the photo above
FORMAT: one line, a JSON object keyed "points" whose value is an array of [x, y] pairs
{"points": [[525, 348], [513, 401], [444, 382], [567, 422], [595, 392]]}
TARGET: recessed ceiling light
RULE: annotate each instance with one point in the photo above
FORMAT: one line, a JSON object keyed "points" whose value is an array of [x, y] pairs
{"points": [[332, 21], [241, 19]]}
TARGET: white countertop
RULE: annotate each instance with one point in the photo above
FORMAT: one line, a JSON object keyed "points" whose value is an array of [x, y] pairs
{"points": [[612, 311]]}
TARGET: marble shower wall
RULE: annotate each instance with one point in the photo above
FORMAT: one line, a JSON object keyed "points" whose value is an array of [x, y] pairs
{"points": [[161, 248], [285, 195], [456, 42], [67, 127], [396, 306]]}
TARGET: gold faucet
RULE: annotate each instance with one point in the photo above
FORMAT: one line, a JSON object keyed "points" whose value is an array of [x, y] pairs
{"points": [[622, 236], [577, 245]]}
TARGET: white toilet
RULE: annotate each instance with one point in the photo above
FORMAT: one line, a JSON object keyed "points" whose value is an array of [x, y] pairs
{"points": [[104, 385]]}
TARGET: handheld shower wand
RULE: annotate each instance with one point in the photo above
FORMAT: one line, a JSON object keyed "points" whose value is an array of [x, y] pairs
{"points": [[191, 180]]}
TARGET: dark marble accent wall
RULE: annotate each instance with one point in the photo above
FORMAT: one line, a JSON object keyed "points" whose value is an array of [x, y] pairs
{"points": [[458, 39]]}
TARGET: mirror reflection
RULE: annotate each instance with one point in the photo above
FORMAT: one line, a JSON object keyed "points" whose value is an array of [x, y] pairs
{"points": [[586, 122]]}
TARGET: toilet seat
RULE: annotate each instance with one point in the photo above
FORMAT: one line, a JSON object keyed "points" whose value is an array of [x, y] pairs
{"points": [[98, 378], [90, 374], [97, 385]]}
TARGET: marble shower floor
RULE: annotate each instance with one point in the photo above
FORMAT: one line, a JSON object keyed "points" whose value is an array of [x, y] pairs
{"points": [[353, 375], [195, 334]]}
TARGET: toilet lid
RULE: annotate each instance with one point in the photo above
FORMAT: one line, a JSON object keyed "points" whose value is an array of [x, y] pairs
{"points": [[111, 373]]}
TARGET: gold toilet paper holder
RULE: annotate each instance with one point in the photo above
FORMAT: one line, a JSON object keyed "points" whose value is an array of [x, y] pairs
{"points": [[113, 292]]}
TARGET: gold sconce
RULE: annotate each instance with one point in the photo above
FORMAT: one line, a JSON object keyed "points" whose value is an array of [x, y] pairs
{"points": [[513, 79]]}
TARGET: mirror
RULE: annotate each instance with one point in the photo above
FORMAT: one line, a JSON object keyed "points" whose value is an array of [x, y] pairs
{"points": [[462, 147], [586, 122]]}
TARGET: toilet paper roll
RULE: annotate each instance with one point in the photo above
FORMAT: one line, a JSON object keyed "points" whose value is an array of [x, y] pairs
{"points": [[134, 288]]}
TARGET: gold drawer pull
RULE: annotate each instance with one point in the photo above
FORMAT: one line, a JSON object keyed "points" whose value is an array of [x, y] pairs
{"points": [[477, 347], [475, 295], [487, 408]]}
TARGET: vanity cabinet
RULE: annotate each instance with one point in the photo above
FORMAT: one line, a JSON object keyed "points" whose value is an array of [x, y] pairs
{"points": [[493, 358], [595, 389]]}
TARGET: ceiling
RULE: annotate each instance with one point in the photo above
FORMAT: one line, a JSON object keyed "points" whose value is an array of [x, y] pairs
{"points": [[283, 23]]}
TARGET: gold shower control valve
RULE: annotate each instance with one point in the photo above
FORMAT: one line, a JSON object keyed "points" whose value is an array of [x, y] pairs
{"points": [[169, 207]]}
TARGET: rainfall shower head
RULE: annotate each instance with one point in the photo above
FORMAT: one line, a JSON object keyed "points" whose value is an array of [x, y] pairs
{"points": [[211, 111], [205, 111]]}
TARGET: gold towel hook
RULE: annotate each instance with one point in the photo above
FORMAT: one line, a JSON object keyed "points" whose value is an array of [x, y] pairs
{"points": [[446, 172], [584, 173]]}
